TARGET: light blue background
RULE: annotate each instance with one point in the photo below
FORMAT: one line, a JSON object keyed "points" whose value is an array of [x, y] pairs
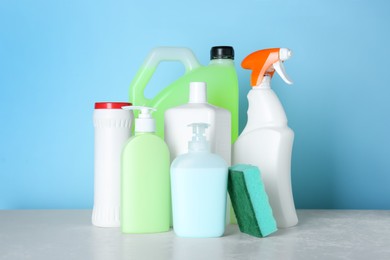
{"points": [[58, 57]]}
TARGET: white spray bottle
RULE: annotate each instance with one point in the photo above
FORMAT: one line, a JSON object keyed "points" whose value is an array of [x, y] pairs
{"points": [[266, 140]]}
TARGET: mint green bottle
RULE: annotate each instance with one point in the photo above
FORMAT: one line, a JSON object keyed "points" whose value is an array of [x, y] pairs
{"points": [[145, 180], [220, 76]]}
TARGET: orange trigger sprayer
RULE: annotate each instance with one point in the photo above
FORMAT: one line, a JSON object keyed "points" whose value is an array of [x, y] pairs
{"points": [[266, 62]]}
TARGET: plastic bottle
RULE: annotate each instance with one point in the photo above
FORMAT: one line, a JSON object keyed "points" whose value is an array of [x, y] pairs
{"points": [[266, 140], [112, 129], [177, 132], [177, 119], [220, 75], [199, 184], [145, 186]]}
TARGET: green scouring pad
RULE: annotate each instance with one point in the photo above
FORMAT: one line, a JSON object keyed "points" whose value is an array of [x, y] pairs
{"points": [[250, 201]]}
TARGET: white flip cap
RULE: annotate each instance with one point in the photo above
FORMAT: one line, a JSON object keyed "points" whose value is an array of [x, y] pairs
{"points": [[198, 93]]}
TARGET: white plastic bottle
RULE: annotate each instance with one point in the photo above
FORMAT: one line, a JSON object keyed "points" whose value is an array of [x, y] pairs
{"points": [[177, 119], [198, 186], [266, 140], [177, 132], [112, 129]]}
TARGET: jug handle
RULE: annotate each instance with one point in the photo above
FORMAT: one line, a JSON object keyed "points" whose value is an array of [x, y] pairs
{"points": [[157, 55]]}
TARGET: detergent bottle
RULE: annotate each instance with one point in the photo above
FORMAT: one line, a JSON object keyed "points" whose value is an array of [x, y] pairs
{"points": [[145, 182], [177, 119], [220, 76], [177, 132], [266, 140]]}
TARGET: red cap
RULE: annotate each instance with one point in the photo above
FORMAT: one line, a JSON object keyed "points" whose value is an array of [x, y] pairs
{"points": [[111, 105]]}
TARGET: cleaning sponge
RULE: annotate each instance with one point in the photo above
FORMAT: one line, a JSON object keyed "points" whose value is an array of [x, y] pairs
{"points": [[250, 201]]}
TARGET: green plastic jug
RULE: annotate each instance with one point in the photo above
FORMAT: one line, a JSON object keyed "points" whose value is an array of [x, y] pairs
{"points": [[220, 76]]}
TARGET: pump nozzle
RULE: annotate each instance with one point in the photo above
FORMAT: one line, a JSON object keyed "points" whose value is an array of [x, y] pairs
{"points": [[198, 141], [145, 123], [266, 62], [146, 112]]}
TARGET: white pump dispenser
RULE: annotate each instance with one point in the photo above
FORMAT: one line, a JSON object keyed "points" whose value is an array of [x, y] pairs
{"points": [[266, 140], [145, 123], [198, 141]]}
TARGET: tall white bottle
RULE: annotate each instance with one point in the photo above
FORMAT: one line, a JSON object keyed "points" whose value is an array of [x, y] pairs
{"points": [[112, 129], [266, 140], [177, 132], [177, 119]]}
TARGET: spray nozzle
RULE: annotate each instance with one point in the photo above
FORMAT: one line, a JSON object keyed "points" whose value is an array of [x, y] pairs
{"points": [[198, 141], [265, 63], [145, 122]]}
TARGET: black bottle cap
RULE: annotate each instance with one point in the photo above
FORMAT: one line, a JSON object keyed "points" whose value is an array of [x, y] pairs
{"points": [[222, 52]]}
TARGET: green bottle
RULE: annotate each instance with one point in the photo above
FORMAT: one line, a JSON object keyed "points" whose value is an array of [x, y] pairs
{"points": [[220, 76], [145, 179]]}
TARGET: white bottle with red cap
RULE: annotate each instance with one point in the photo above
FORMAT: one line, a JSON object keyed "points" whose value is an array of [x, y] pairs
{"points": [[112, 130]]}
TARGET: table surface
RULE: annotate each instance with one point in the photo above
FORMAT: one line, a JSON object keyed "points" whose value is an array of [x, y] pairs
{"points": [[69, 234]]}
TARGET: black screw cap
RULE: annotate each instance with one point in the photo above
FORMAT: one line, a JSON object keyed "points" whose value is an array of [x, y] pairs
{"points": [[222, 52]]}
